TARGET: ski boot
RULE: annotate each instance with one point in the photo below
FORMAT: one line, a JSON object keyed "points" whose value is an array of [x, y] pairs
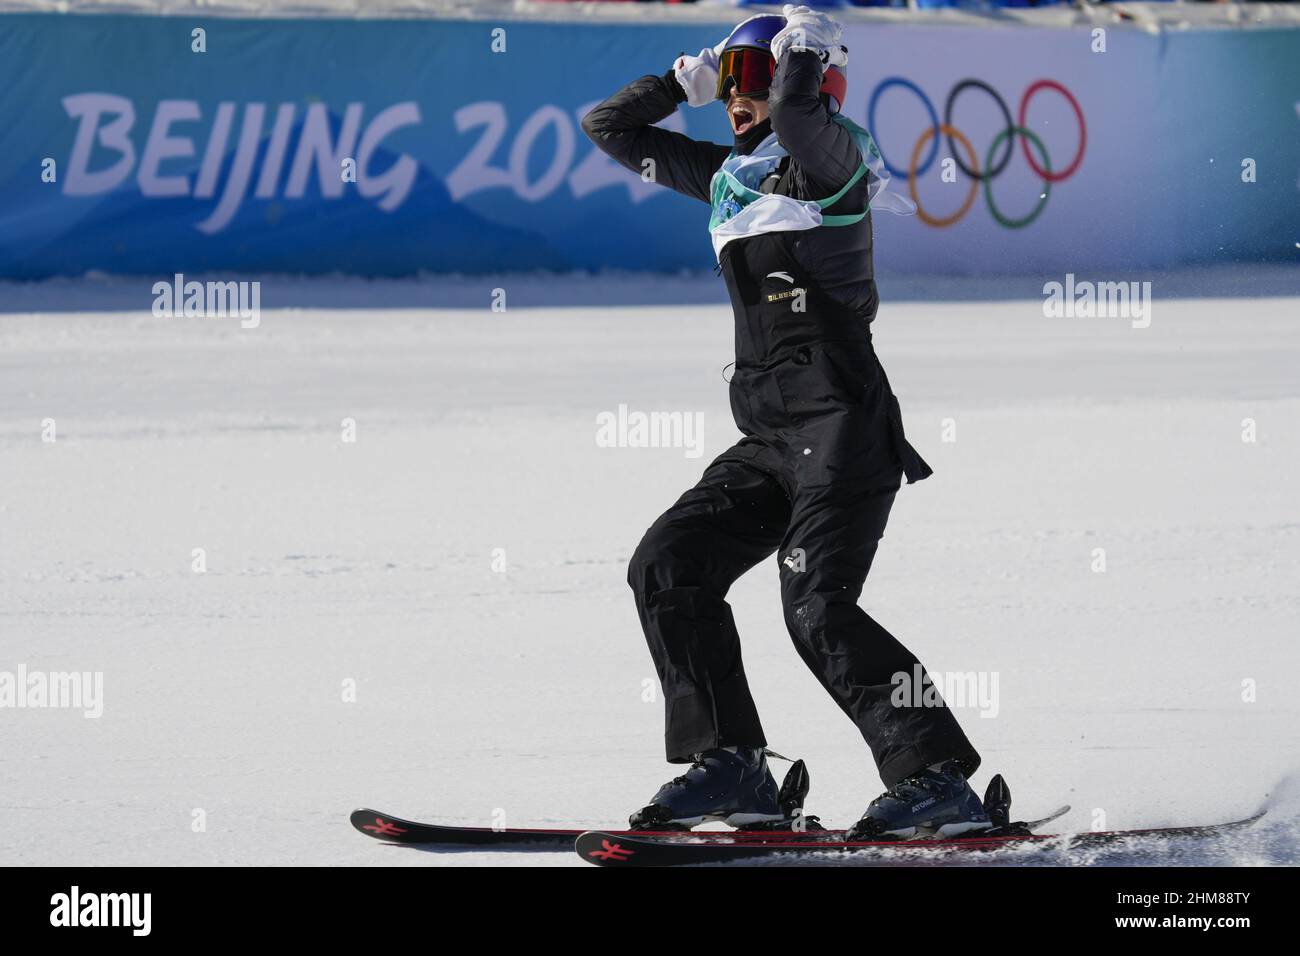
{"points": [[935, 802], [732, 784]]}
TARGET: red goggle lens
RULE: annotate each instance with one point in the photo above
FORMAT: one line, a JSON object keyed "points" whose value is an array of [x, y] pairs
{"points": [[747, 70]]}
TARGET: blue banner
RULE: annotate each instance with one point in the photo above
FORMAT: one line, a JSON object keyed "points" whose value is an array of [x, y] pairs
{"points": [[392, 147]]}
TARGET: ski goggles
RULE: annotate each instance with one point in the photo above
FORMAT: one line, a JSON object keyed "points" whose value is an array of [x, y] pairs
{"points": [[746, 69]]}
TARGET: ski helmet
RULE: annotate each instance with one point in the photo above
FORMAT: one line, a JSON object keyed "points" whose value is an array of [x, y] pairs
{"points": [[746, 63]]}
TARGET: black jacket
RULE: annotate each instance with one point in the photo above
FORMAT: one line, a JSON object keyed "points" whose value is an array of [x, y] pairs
{"points": [[808, 391], [823, 157]]}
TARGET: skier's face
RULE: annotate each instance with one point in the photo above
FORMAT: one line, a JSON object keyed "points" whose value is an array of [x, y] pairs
{"points": [[745, 113]]}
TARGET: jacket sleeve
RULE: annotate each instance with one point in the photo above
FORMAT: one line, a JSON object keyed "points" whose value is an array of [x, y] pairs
{"points": [[825, 152], [623, 127]]}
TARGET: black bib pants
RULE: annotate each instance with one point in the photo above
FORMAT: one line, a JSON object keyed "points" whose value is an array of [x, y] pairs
{"points": [[813, 481]]}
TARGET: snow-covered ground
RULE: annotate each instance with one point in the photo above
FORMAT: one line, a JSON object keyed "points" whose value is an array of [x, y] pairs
{"points": [[519, 695]]}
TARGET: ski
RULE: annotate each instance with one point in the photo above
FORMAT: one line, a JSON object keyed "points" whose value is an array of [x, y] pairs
{"points": [[391, 829], [639, 849]]}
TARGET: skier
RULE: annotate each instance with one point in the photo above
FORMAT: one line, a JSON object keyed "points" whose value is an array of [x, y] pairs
{"points": [[823, 452]]}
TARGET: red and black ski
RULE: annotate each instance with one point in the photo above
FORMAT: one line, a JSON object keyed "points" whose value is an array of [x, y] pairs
{"points": [[391, 829], [640, 849], [384, 826]]}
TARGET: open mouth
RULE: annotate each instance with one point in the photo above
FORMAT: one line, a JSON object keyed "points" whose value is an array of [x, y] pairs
{"points": [[741, 119]]}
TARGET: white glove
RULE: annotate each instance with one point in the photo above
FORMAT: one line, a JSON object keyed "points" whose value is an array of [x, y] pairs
{"points": [[807, 29], [698, 76]]}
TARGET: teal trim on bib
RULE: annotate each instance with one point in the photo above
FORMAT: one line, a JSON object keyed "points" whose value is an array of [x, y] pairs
{"points": [[728, 195]]}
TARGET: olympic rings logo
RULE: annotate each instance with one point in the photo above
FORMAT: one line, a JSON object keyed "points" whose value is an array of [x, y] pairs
{"points": [[992, 168]]}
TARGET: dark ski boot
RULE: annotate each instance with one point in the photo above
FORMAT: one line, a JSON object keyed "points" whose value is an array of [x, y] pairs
{"points": [[731, 785], [935, 802]]}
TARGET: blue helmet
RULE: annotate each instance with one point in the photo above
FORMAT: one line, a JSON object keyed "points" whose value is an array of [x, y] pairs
{"points": [[756, 32]]}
